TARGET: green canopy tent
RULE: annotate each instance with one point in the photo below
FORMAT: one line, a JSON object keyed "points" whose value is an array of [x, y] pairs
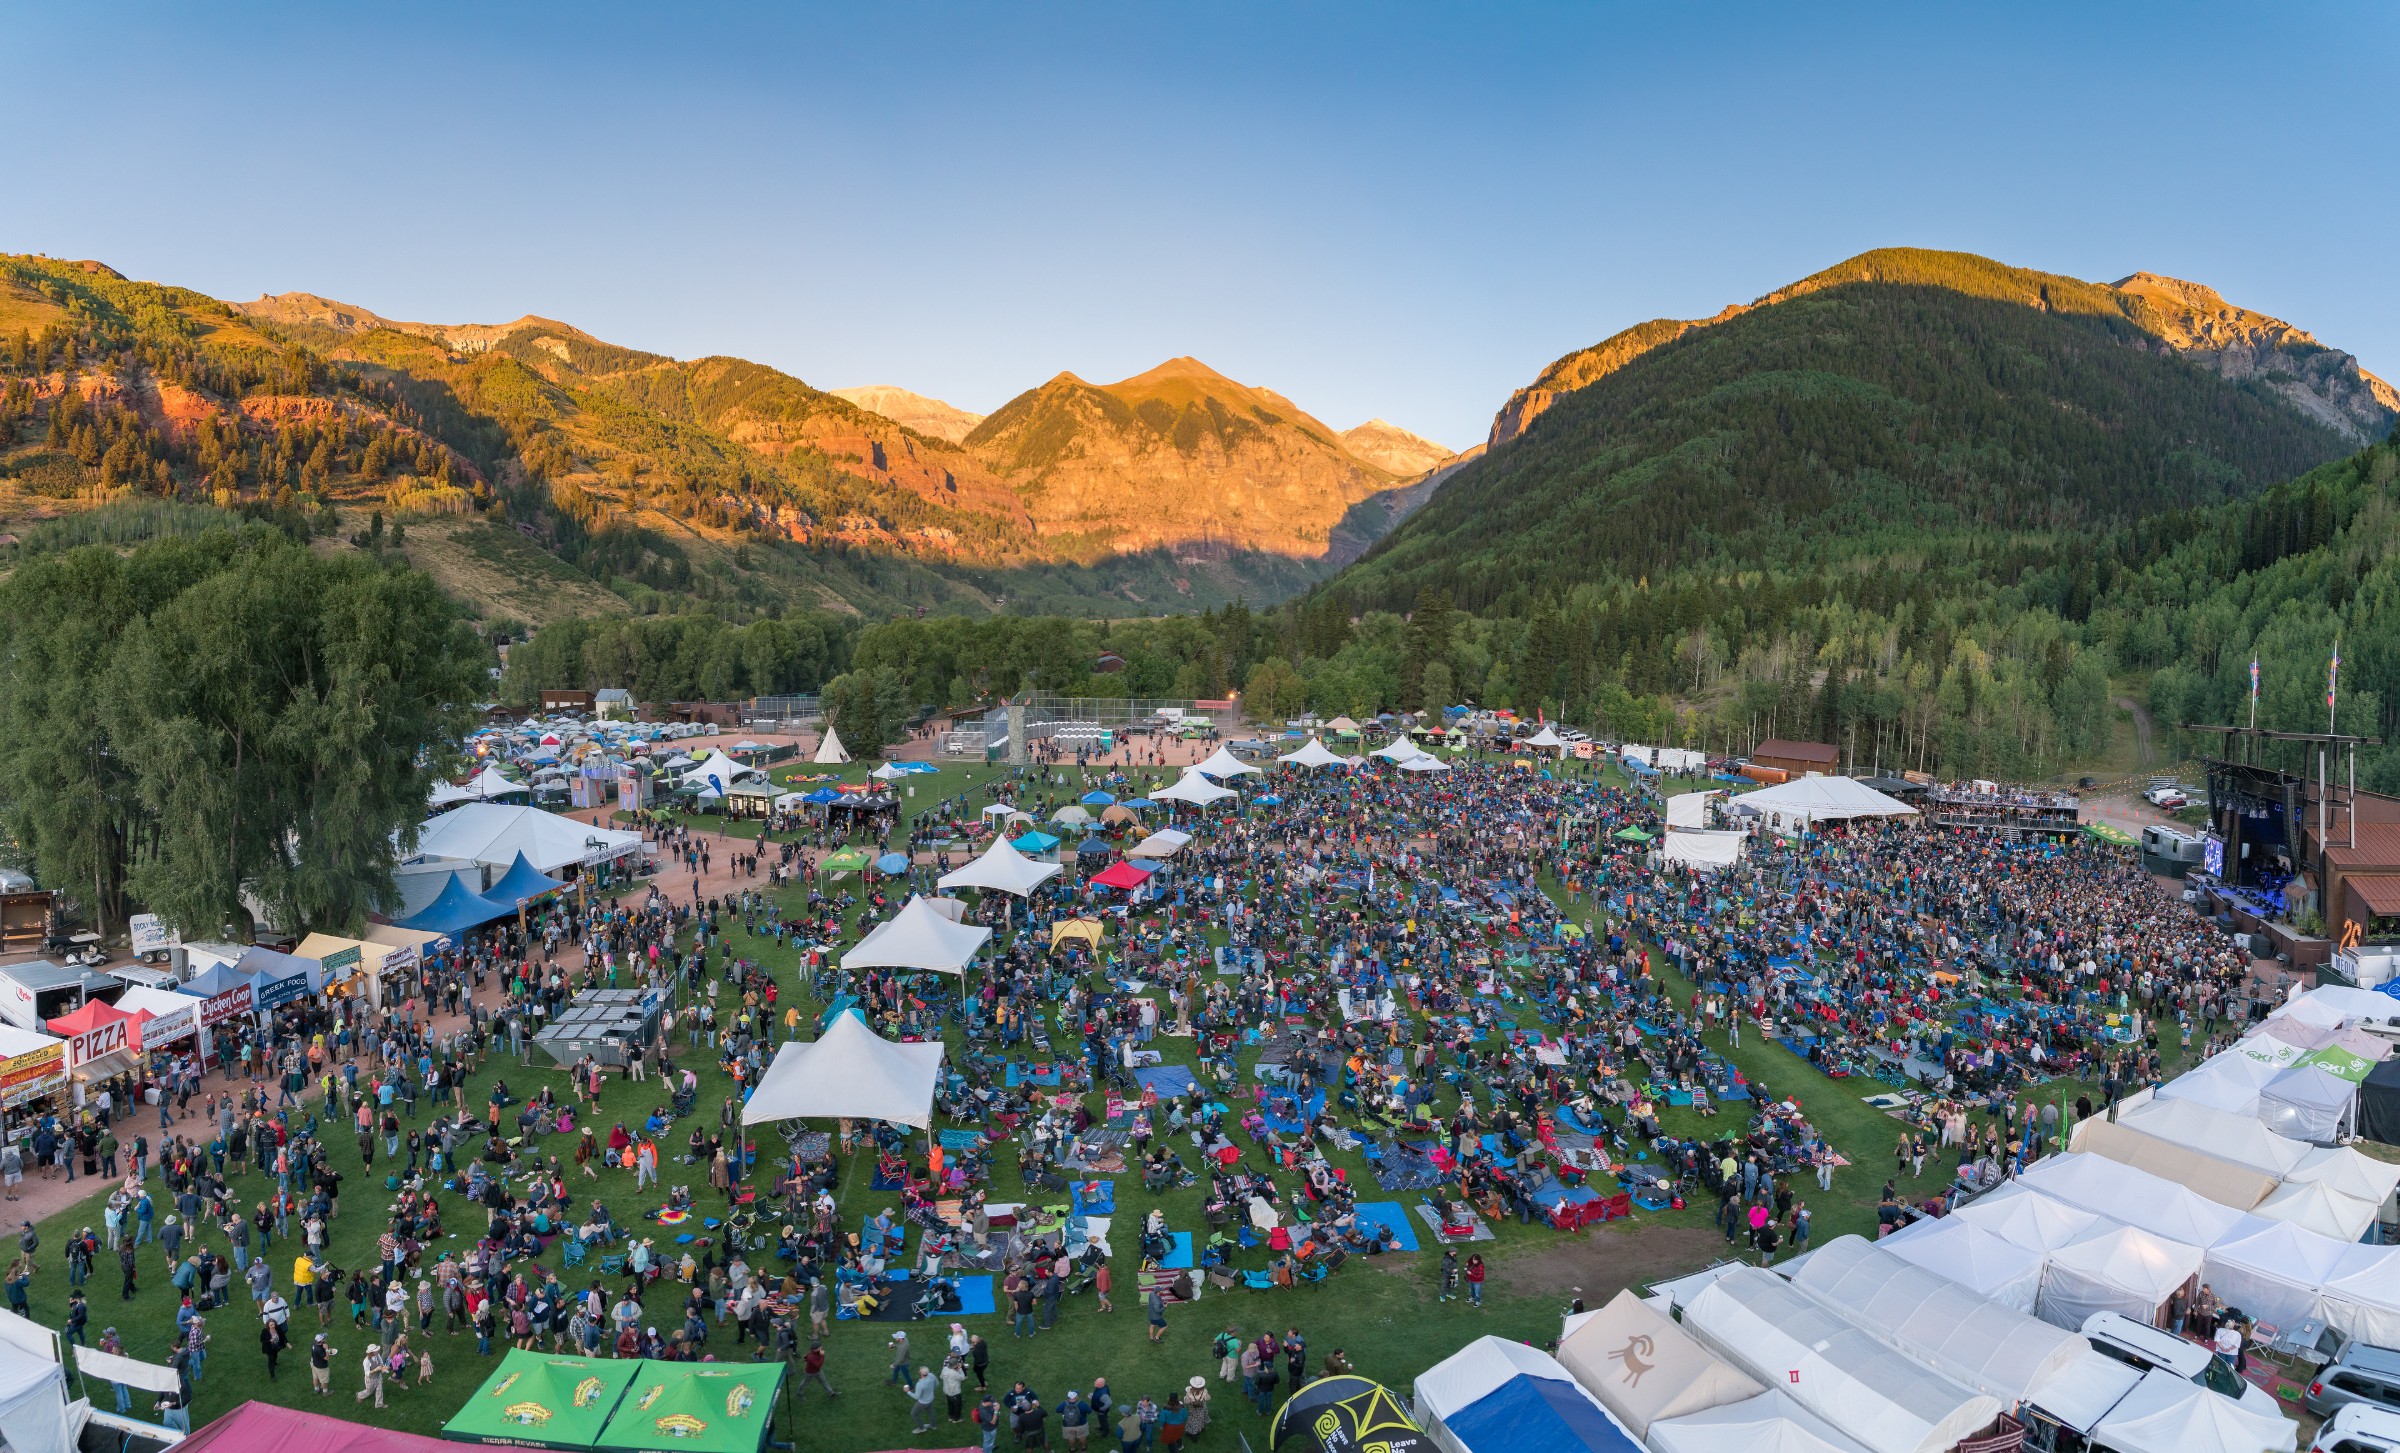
{"points": [[711, 1406], [848, 860], [535, 1401], [2115, 837], [1632, 835]]}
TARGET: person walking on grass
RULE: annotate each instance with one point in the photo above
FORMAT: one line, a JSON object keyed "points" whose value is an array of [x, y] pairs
{"points": [[1474, 1276]]}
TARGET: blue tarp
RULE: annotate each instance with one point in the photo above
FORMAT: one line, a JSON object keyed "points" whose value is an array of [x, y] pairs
{"points": [[521, 882], [1537, 1415], [456, 909], [892, 863]]}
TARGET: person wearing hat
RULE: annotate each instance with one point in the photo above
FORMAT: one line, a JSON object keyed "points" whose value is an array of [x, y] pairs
{"points": [[320, 1365], [812, 1369], [1195, 1406], [371, 1368]]}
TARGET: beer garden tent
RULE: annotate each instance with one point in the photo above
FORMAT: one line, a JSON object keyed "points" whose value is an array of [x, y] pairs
{"points": [[850, 1073], [707, 1407], [1888, 1402], [1982, 1261], [457, 909], [1314, 754], [1194, 789], [1223, 763], [1768, 1423], [539, 1400], [831, 752], [1001, 869], [2124, 1270], [2165, 1414], [1643, 1367], [1495, 1394], [918, 937], [496, 835], [1994, 1349]]}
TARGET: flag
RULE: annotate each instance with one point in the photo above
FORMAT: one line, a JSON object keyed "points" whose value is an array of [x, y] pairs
{"points": [[2254, 681], [2333, 674]]}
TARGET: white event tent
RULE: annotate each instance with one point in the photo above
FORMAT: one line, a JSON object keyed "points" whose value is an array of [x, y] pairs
{"points": [[1398, 749], [485, 786], [1805, 801], [1543, 738], [2125, 1269], [2165, 1414], [1002, 869], [1994, 1349], [1194, 789], [1689, 809], [2276, 1274], [494, 833], [1495, 1394], [2238, 1138], [1425, 762], [1164, 843], [1704, 849], [1314, 754], [1670, 1375], [1982, 1261], [850, 1073], [919, 936], [2023, 1217], [2318, 1207], [724, 771], [1224, 763], [2136, 1197], [1768, 1423]]}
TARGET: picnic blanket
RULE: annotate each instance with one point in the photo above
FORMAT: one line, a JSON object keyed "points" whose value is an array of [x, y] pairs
{"points": [[1467, 1216], [1379, 1214], [960, 1139], [1094, 1198], [1166, 1081], [975, 1299], [1283, 1124], [1180, 1258], [1403, 1169], [1097, 1152]]}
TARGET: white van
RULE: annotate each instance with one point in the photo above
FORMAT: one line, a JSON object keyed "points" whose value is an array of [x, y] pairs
{"points": [[2148, 1348]]}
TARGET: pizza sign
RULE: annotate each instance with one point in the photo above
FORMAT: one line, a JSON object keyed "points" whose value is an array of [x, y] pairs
{"points": [[96, 1043]]}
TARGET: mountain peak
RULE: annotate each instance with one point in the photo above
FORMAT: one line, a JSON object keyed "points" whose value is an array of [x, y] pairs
{"points": [[1185, 368], [1387, 446], [928, 416]]}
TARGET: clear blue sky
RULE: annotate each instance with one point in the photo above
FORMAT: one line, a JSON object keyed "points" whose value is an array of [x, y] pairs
{"points": [[1376, 209]]}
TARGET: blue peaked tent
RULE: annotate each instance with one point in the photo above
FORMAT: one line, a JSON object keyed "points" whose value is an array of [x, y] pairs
{"points": [[220, 979], [456, 909], [522, 881]]}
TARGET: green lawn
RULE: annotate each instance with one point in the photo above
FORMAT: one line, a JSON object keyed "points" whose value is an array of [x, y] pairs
{"points": [[1383, 1312]]}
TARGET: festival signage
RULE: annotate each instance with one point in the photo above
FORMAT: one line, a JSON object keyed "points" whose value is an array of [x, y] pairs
{"points": [[31, 1075], [275, 993], [232, 1004], [162, 1029], [341, 965], [98, 1042], [395, 958]]}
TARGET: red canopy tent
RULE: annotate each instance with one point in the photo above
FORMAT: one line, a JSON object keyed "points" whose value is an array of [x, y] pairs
{"points": [[94, 1031], [1122, 875], [260, 1426]]}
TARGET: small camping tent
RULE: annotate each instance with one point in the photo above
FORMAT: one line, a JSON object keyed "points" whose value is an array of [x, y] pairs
{"points": [[831, 752]]}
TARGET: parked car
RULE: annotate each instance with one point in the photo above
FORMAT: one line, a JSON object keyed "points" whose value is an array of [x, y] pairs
{"points": [[2139, 1345], [2359, 1427], [2362, 1374], [2170, 798]]}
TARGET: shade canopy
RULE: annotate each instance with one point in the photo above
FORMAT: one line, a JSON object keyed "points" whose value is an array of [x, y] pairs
{"points": [[2308, 1102], [2165, 1414], [1425, 762], [1806, 800], [1314, 754], [1643, 1367], [2318, 1207], [457, 909], [717, 770], [1223, 763], [1888, 1402], [522, 883], [919, 936], [1122, 875], [2238, 1138], [496, 834], [2124, 1269], [1164, 843], [2137, 1197], [1984, 1262], [1193, 788], [1544, 738], [255, 1425], [708, 1407], [850, 1073], [2347, 1171], [1001, 869], [1994, 1349], [2277, 1273], [1398, 749], [542, 1401], [1498, 1396]]}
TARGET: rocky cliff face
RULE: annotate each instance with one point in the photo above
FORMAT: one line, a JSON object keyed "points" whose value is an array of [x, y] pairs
{"points": [[1394, 450], [927, 416], [2179, 318], [1181, 457]]}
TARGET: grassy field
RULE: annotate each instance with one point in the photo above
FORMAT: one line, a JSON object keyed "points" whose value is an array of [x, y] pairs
{"points": [[1384, 1312]]}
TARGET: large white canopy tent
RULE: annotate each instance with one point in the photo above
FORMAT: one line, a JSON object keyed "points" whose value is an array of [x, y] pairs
{"points": [[1398, 749], [2317, 1206], [1164, 843], [1984, 1262], [1805, 801], [1994, 1349], [2222, 1181], [1193, 788], [2362, 1299], [1670, 1375], [2275, 1274], [1426, 762], [2136, 1197], [2229, 1082], [831, 752], [1689, 809], [718, 770], [1768, 1423], [1314, 754], [849, 1073], [1223, 763], [1704, 849], [485, 786], [2124, 1269], [1001, 868], [1886, 1401], [2165, 1414], [34, 1407], [919, 936], [2308, 1102], [2238, 1138], [494, 833], [2347, 1171], [2022, 1216], [1544, 738]]}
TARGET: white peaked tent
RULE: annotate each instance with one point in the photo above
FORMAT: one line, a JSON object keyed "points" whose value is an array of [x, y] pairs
{"points": [[33, 1388], [2362, 1299], [1224, 763], [2276, 1274], [716, 764], [1803, 801], [2308, 1103], [1001, 869], [2318, 1207], [2229, 1082], [888, 772], [2136, 1197], [1768, 1423], [954, 909], [2222, 1181], [1194, 789], [1315, 754], [850, 1073], [1427, 762], [1887, 1402], [1994, 1349], [1006, 810], [919, 936], [2237, 1138], [1398, 749], [2124, 1269], [494, 833], [2347, 1171], [1543, 738], [1164, 843], [2022, 1216], [2165, 1414], [1984, 1262], [831, 751], [485, 786], [1643, 1367]]}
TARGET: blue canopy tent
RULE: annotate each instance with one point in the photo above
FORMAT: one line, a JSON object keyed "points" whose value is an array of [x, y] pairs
{"points": [[279, 979], [892, 864], [456, 909], [821, 796], [1098, 799], [1495, 1394], [1034, 842], [220, 979], [522, 882]]}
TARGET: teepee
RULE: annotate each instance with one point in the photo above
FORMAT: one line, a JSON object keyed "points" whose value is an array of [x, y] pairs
{"points": [[831, 749]]}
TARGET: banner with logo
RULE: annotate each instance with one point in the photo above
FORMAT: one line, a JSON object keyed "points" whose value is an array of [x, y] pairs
{"points": [[98, 1042], [160, 1030], [31, 1075], [232, 1004]]}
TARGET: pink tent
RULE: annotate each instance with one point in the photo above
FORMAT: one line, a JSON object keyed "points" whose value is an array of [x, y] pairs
{"points": [[254, 1427], [1122, 875]]}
